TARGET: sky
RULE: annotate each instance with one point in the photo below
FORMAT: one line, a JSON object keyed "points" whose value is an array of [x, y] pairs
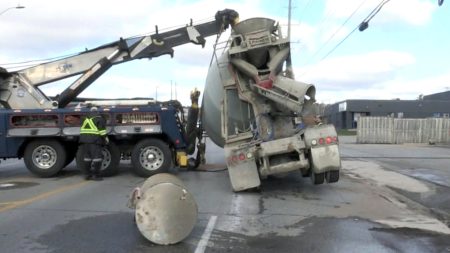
{"points": [[403, 54]]}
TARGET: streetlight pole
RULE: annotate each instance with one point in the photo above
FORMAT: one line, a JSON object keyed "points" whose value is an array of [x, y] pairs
{"points": [[10, 8]]}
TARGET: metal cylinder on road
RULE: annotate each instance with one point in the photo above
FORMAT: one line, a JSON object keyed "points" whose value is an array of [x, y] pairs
{"points": [[165, 212]]}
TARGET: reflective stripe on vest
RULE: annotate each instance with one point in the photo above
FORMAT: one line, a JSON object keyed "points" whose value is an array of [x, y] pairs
{"points": [[89, 127]]}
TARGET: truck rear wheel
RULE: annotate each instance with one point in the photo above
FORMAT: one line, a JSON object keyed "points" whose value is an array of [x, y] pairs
{"points": [[318, 178], [45, 158], [332, 176], [150, 157], [110, 163]]}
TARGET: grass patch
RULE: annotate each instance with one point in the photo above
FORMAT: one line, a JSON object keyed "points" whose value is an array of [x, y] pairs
{"points": [[347, 132]]}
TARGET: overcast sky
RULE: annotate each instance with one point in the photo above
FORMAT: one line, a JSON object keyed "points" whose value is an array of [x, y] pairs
{"points": [[403, 53]]}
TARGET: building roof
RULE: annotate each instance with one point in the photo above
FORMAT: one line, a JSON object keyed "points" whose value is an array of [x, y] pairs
{"points": [[438, 96]]}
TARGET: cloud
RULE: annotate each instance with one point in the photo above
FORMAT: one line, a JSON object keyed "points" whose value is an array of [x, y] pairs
{"points": [[400, 88], [47, 27], [50, 28], [413, 12], [377, 86], [356, 71]]}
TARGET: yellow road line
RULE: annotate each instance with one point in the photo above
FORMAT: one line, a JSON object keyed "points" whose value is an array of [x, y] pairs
{"points": [[19, 203]]}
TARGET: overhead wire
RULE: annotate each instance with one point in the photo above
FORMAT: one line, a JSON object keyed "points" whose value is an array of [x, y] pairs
{"points": [[320, 26], [337, 31], [38, 60], [364, 23], [34, 62], [372, 14]]}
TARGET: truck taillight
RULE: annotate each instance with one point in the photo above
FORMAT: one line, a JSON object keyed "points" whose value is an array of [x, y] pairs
{"points": [[240, 157], [327, 140]]}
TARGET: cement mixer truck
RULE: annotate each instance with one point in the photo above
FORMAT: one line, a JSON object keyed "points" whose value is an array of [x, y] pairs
{"points": [[250, 106]]}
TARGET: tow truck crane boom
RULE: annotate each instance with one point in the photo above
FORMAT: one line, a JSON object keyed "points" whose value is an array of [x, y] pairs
{"points": [[19, 89]]}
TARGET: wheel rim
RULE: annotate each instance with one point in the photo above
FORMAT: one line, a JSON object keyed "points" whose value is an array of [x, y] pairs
{"points": [[106, 158], [151, 158], [44, 157]]}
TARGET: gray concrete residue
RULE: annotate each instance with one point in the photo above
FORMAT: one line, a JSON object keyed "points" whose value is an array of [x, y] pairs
{"points": [[334, 235]]}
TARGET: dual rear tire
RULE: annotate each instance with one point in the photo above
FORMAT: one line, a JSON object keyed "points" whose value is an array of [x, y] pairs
{"points": [[329, 176]]}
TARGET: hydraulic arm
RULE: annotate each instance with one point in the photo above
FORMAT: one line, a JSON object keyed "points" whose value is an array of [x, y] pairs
{"points": [[19, 90]]}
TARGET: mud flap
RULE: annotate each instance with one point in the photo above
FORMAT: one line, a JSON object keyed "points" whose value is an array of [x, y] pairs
{"points": [[325, 158], [244, 175]]}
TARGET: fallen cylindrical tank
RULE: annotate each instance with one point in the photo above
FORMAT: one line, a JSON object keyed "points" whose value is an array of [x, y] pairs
{"points": [[165, 212]]}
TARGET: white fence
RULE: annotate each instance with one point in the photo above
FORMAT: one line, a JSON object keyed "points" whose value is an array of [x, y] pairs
{"points": [[395, 131]]}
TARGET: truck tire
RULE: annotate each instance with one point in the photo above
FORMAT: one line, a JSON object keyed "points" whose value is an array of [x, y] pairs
{"points": [[318, 178], [45, 158], [332, 176], [150, 157], [110, 163]]}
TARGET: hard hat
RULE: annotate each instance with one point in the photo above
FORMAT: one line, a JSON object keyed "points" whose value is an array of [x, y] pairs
{"points": [[94, 109]]}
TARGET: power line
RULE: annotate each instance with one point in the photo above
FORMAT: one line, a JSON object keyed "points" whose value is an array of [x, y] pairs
{"points": [[342, 41], [38, 60], [365, 21], [29, 63], [337, 30]]}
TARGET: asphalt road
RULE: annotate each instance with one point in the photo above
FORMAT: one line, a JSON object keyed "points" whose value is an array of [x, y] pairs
{"points": [[390, 198]]}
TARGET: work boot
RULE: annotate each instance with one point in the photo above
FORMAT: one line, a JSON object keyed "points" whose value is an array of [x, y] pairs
{"points": [[88, 177], [97, 167]]}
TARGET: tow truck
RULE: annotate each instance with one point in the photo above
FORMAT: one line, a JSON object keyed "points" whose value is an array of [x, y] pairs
{"points": [[44, 130]]}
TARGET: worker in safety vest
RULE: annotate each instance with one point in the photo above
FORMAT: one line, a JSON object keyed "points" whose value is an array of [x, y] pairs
{"points": [[92, 139]]}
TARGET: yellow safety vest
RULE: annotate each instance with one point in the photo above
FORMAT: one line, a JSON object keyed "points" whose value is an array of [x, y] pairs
{"points": [[89, 127]]}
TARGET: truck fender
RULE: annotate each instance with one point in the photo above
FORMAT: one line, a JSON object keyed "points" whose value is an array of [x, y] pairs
{"points": [[322, 145]]}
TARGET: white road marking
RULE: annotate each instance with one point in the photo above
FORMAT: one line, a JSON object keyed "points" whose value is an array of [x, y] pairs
{"points": [[201, 246]]}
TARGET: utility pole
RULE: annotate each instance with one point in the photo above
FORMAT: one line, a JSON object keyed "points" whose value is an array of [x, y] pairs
{"points": [[176, 91], [289, 70], [289, 20]]}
